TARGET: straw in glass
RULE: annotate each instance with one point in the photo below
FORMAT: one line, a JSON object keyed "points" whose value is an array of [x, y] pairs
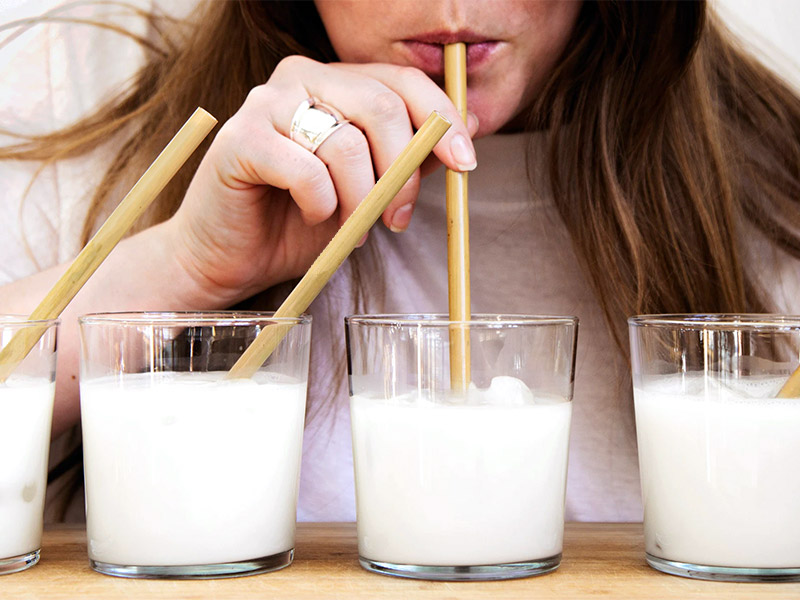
{"points": [[110, 233], [791, 388], [455, 81], [343, 243]]}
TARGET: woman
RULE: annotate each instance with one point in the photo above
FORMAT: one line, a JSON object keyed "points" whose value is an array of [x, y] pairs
{"points": [[663, 167]]}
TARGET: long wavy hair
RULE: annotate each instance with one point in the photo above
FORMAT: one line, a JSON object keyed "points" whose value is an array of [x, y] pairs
{"points": [[666, 140]]}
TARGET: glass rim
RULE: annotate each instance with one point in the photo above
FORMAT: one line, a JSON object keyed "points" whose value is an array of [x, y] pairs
{"points": [[16, 320], [480, 320], [190, 317], [717, 320]]}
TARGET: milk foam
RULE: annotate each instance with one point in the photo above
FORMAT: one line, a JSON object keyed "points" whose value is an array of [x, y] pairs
{"points": [[468, 481], [188, 468], [720, 469]]}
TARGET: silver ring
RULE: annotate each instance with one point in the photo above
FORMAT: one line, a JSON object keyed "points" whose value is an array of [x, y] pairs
{"points": [[313, 122]]}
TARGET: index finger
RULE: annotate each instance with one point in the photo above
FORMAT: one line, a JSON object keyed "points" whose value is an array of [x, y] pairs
{"points": [[422, 96]]}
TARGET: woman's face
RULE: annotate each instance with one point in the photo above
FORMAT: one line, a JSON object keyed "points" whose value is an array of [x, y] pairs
{"points": [[512, 45]]}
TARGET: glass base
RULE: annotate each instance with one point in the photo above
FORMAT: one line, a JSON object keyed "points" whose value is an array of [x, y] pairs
{"points": [[714, 573], [464, 573], [18, 563], [214, 571]]}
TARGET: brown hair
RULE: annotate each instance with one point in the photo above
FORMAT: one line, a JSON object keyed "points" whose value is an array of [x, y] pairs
{"points": [[665, 139]]}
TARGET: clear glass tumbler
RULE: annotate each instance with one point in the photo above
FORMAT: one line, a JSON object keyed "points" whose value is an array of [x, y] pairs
{"points": [[26, 411], [460, 484], [189, 474], [719, 451]]}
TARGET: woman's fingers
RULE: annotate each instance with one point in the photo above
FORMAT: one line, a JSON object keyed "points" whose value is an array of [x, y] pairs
{"points": [[432, 163], [377, 111], [347, 155], [421, 95], [384, 104], [252, 154], [379, 98], [241, 232]]}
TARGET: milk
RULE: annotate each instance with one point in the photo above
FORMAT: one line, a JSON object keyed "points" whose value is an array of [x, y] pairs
{"points": [[187, 469], [720, 468], [475, 480], [26, 409]]}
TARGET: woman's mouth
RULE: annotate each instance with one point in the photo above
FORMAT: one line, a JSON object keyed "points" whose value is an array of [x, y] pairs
{"points": [[426, 52]]}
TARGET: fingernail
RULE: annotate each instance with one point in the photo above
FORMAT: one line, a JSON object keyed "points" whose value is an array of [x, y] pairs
{"points": [[401, 218], [362, 241], [463, 153], [472, 122]]}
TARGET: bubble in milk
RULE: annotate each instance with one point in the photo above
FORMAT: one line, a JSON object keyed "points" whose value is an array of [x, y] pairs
{"points": [[504, 391], [719, 387], [510, 391], [747, 388], [29, 492]]}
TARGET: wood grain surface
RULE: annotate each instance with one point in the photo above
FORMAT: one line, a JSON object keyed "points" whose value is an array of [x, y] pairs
{"points": [[600, 559]]}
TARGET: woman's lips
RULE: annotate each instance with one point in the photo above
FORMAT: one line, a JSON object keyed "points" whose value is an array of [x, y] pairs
{"points": [[427, 52]]}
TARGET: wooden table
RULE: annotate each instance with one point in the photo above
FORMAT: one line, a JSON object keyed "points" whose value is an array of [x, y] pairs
{"points": [[599, 560]]}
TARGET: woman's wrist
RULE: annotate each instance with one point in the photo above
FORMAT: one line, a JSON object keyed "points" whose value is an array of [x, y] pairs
{"points": [[193, 288]]}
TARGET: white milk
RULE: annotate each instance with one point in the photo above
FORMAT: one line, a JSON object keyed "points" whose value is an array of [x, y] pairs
{"points": [[720, 470], [479, 482], [26, 410], [185, 469]]}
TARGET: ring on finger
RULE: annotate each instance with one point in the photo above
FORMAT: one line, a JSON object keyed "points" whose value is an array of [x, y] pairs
{"points": [[314, 122]]}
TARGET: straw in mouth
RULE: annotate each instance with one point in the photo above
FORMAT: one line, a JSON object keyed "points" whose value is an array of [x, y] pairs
{"points": [[455, 79]]}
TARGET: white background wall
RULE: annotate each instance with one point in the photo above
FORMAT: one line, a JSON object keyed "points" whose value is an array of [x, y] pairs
{"points": [[771, 28]]}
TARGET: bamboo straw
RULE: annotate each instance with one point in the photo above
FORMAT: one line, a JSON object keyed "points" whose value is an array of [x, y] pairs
{"points": [[95, 252], [343, 243], [455, 83], [791, 388]]}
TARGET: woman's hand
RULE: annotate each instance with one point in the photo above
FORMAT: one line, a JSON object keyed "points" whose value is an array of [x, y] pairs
{"points": [[261, 207]]}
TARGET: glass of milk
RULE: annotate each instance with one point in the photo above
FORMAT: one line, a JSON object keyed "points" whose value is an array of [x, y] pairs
{"points": [[26, 410], [460, 484], [719, 452], [189, 474]]}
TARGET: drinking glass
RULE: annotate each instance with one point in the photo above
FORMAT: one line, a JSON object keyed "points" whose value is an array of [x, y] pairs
{"points": [[460, 484], [719, 451], [26, 411], [190, 474]]}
